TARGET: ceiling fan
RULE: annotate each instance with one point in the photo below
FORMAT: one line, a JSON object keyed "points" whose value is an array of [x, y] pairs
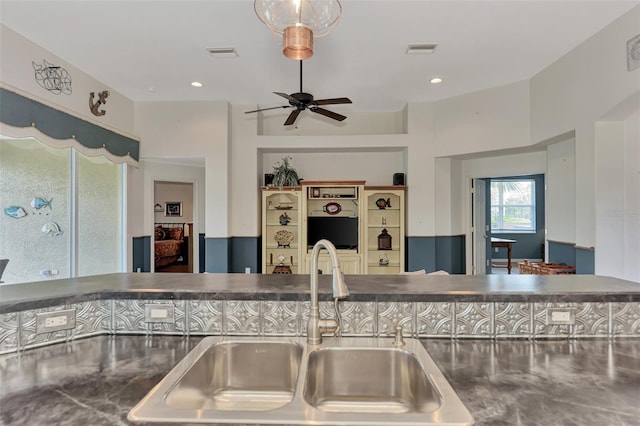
{"points": [[301, 101]]}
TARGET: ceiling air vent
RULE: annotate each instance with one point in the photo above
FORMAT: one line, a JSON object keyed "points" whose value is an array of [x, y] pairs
{"points": [[418, 49], [223, 52]]}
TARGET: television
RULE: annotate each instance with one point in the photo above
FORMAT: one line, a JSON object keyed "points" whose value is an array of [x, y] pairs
{"points": [[342, 231]]}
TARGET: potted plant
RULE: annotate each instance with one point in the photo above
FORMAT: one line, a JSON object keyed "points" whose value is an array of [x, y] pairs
{"points": [[284, 174]]}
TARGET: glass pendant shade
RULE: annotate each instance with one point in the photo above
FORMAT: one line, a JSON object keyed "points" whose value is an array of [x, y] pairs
{"points": [[298, 22]]}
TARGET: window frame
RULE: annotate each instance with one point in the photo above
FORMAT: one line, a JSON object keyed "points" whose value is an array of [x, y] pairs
{"points": [[501, 207]]}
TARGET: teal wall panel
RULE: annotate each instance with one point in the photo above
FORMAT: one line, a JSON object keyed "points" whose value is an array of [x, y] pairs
{"points": [[585, 261], [582, 258], [450, 254], [562, 253], [245, 253], [217, 255], [141, 254], [436, 253], [421, 253]]}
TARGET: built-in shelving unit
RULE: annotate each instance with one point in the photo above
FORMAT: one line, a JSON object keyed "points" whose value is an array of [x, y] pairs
{"points": [[282, 239], [384, 235], [366, 224], [332, 211]]}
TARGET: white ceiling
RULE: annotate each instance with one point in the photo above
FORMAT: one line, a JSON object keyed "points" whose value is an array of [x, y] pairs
{"points": [[136, 44]]}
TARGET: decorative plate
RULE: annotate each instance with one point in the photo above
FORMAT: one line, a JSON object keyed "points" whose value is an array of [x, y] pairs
{"points": [[382, 203], [284, 238], [332, 208]]}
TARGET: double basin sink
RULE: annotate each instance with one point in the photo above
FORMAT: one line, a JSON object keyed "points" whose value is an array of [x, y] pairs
{"points": [[343, 381]]}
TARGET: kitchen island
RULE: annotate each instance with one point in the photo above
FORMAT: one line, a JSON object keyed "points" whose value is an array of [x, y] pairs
{"points": [[96, 381], [493, 337]]}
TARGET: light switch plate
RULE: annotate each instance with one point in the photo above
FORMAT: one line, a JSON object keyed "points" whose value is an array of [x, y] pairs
{"points": [[561, 316], [159, 312]]}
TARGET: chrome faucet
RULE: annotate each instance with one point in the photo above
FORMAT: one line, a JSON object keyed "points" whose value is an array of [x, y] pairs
{"points": [[316, 325]]}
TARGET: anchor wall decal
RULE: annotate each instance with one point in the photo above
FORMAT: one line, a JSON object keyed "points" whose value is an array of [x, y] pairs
{"points": [[102, 99]]}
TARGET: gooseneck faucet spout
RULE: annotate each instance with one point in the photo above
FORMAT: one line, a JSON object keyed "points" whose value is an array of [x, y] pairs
{"points": [[316, 325]]}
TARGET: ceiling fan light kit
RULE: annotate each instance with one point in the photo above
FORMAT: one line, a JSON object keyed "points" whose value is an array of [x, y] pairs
{"points": [[298, 21], [298, 42]]}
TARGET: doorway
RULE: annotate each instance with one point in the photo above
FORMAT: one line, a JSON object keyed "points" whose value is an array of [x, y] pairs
{"points": [[508, 222], [173, 226]]}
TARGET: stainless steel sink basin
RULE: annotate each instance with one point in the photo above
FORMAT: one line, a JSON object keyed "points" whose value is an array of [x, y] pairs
{"points": [[377, 380], [285, 381], [239, 376]]}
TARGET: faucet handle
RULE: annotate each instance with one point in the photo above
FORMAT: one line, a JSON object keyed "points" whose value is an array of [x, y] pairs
{"points": [[399, 339]]}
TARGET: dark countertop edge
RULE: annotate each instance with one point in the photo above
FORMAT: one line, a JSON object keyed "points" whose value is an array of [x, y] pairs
{"points": [[457, 296]]}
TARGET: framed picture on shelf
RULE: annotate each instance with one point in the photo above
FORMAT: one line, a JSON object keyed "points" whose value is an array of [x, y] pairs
{"points": [[315, 192], [173, 209]]}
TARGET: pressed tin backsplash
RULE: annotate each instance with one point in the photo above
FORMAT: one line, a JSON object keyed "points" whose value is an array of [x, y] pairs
{"points": [[447, 319]]}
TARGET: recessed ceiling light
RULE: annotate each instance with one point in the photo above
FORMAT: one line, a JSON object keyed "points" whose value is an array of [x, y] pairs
{"points": [[436, 80], [222, 52], [151, 89], [196, 84], [416, 49]]}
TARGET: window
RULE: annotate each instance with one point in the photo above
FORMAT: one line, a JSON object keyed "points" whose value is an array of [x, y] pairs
{"points": [[513, 206], [61, 212]]}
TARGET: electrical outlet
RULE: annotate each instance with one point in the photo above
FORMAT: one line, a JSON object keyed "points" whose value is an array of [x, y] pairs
{"points": [[561, 316], [48, 322], [156, 312], [56, 321]]}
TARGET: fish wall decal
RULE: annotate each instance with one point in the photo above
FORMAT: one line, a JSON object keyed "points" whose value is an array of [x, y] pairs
{"points": [[52, 228], [38, 203], [15, 212]]}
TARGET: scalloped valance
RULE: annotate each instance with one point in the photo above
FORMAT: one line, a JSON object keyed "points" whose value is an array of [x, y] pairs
{"points": [[23, 117]]}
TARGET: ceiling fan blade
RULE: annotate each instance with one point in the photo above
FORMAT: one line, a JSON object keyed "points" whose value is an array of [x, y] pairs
{"points": [[267, 109], [292, 117], [287, 97], [332, 101], [328, 113]]}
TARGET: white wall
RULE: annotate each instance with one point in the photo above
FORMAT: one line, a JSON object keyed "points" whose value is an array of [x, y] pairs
{"points": [[632, 197], [573, 93], [448, 208], [560, 201], [310, 124], [188, 130], [373, 158], [488, 120], [376, 167], [420, 160], [173, 192], [16, 56], [618, 197]]}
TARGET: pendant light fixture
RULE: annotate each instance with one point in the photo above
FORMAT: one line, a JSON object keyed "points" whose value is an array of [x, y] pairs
{"points": [[298, 22]]}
